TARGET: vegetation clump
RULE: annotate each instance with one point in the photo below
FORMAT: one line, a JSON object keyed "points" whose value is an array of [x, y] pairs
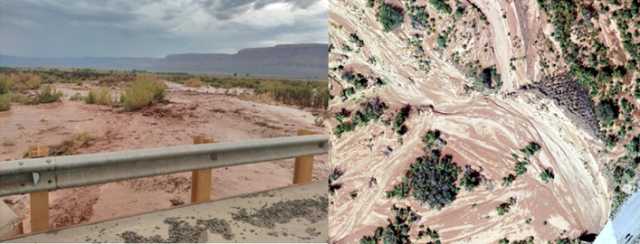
{"points": [[193, 82], [546, 175], [531, 149], [470, 179], [397, 232], [47, 95], [441, 5], [390, 17], [145, 91], [505, 207], [398, 121], [607, 111], [100, 96], [333, 178]]}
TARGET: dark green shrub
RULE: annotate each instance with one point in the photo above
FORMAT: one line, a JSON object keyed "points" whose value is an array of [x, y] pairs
{"points": [[506, 181], [633, 149], [470, 179], [531, 149], [441, 5], [503, 208], [390, 17], [607, 111], [546, 175], [433, 180], [622, 175]]}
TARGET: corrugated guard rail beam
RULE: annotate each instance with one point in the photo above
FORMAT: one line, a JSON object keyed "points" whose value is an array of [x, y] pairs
{"points": [[45, 174]]}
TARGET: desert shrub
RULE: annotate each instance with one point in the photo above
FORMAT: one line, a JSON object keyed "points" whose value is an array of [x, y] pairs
{"points": [[397, 232], [399, 119], [531, 149], [5, 103], [318, 121], [506, 181], [69, 146], [372, 111], [98, 96], [25, 81], [419, 16], [108, 80], [610, 141], [503, 208], [5, 84], [521, 168], [432, 180], [333, 177], [76, 97], [390, 17], [546, 175], [622, 175], [344, 127], [400, 191], [145, 91], [470, 179], [441, 5], [607, 111], [633, 149], [48, 95], [8, 143], [193, 82], [18, 98]]}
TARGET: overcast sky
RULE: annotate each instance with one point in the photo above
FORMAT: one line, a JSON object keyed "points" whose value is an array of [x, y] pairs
{"points": [[149, 28]]}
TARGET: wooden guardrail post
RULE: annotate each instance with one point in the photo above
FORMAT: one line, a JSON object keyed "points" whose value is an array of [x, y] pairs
{"points": [[303, 169], [201, 179], [39, 201]]}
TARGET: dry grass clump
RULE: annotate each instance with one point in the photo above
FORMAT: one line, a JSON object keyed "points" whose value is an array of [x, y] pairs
{"points": [[114, 79], [69, 146], [261, 98], [25, 81], [193, 82], [145, 91], [100, 96]]}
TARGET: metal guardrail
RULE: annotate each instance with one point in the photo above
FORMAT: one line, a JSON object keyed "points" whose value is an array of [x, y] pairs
{"points": [[46, 174]]}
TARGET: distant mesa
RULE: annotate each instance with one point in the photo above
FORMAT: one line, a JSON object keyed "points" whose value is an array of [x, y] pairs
{"points": [[294, 60]]}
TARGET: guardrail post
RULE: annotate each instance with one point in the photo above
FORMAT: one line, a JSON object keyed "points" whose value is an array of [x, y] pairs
{"points": [[39, 201], [303, 169], [201, 179]]}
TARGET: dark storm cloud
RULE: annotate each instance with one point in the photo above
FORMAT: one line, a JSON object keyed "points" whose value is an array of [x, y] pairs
{"points": [[155, 28]]}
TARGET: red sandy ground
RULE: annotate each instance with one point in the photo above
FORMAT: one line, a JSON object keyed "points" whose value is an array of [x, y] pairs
{"points": [[188, 113]]}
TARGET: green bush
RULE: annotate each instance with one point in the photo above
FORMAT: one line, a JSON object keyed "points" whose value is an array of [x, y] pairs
{"points": [[433, 180], [5, 103], [98, 96], [622, 175], [470, 179], [520, 168], [144, 91], [531, 149], [633, 149], [546, 175], [5, 84], [390, 17], [8, 143], [48, 95], [25, 81], [441, 5], [503, 208], [607, 111], [506, 181]]}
